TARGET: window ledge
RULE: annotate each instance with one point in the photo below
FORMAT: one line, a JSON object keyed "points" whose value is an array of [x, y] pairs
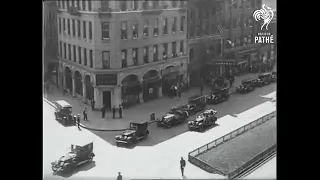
{"points": [[105, 40]]}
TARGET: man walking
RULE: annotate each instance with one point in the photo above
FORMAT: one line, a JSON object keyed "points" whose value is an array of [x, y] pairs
{"points": [[182, 165], [85, 117], [78, 121], [119, 176], [120, 111], [103, 111], [113, 112], [92, 104]]}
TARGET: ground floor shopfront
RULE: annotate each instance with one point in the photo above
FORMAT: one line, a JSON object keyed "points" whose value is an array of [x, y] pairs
{"points": [[129, 87]]}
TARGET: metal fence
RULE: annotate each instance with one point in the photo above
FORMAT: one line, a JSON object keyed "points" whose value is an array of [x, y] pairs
{"points": [[193, 154], [245, 166]]}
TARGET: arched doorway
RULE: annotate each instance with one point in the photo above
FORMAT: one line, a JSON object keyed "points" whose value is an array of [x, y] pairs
{"points": [[68, 76], [170, 77], [78, 82], [151, 83], [130, 90], [89, 87]]}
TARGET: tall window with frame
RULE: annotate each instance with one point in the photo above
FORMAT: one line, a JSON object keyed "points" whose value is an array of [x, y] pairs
{"points": [[146, 28], [60, 48], [146, 54], [174, 25], [90, 30], [89, 5], [105, 60], [156, 27], [182, 20], [105, 30], [135, 5], [64, 26], [85, 59], [68, 26], [155, 53], [79, 28], [84, 7], [165, 26], [84, 29], [105, 5], [62, 4], [124, 58], [145, 4], [69, 52], [91, 58], [135, 34], [74, 53], [73, 28], [174, 49], [165, 51], [79, 54], [135, 56], [78, 4], [123, 5], [174, 4], [123, 30], [181, 48], [59, 25]]}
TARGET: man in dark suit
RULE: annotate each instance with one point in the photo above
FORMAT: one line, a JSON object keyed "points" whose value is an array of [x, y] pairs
{"points": [[182, 165], [113, 112], [120, 111]]}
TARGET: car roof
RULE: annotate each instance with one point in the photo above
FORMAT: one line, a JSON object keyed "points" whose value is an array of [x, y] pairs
{"points": [[63, 103], [248, 79], [195, 96], [168, 116], [263, 74]]}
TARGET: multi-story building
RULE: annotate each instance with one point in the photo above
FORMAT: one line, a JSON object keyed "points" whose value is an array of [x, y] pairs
{"points": [[121, 52], [50, 41]]}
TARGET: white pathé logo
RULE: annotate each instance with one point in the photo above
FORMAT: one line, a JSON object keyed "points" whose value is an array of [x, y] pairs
{"points": [[265, 14]]}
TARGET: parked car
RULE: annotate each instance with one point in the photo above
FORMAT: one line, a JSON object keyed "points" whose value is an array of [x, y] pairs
{"points": [[171, 119], [78, 155], [247, 85], [204, 120], [63, 113], [265, 78], [189, 109], [197, 102], [218, 96], [135, 133]]}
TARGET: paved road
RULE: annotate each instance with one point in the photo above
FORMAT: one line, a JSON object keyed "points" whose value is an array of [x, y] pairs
{"points": [[266, 171], [235, 105]]}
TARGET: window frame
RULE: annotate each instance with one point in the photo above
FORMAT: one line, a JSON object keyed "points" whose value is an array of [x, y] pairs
{"points": [[104, 62], [135, 59], [124, 31], [124, 65], [103, 24], [135, 30], [146, 54]]}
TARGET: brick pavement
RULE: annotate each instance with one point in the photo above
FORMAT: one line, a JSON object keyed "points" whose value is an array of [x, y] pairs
{"points": [[138, 113]]}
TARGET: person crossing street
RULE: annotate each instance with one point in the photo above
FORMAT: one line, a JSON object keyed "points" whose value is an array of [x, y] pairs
{"points": [[120, 111], [113, 112], [85, 115], [78, 121], [182, 166]]}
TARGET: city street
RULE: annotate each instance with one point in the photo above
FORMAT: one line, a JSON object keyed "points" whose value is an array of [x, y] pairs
{"points": [[237, 103]]}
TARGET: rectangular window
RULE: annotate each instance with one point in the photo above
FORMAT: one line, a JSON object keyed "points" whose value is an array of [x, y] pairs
{"points": [[165, 26], [79, 54], [91, 58], [60, 49], [68, 26], [182, 23], [69, 52], [156, 27], [105, 30], [84, 30], [135, 30], [191, 54], [73, 28], [135, 56], [165, 50], [135, 5], [174, 25], [90, 30], [181, 48], [174, 49], [124, 58], [155, 52], [174, 4], [72, 3], [78, 4], [146, 28], [64, 26], [145, 4], [85, 56], [62, 4], [123, 30], [59, 25], [146, 54], [105, 60], [123, 5], [84, 7], [89, 5], [79, 29], [74, 53]]}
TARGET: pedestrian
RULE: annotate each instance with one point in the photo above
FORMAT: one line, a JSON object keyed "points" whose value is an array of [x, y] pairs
{"points": [[113, 111], [201, 88], [179, 94], [74, 119], [119, 176], [92, 104], [103, 111], [78, 121], [182, 165], [85, 115], [120, 111]]}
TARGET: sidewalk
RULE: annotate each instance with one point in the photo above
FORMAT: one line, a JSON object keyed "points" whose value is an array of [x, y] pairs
{"points": [[138, 113]]}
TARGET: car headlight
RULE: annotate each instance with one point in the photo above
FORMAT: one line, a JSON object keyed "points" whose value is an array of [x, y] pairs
{"points": [[189, 122], [200, 124]]}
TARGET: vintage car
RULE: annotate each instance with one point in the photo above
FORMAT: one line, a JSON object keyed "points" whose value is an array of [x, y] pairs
{"points": [[172, 119], [184, 108], [77, 156], [63, 112], [273, 76], [197, 103], [218, 96], [204, 120], [135, 133], [247, 85], [265, 78]]}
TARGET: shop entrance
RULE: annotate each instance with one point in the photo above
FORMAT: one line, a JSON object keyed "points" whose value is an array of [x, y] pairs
{"points": [[151, 81], [106, 99]]}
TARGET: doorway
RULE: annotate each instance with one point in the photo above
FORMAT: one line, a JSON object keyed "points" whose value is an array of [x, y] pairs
{"points": [[106, 99]]}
